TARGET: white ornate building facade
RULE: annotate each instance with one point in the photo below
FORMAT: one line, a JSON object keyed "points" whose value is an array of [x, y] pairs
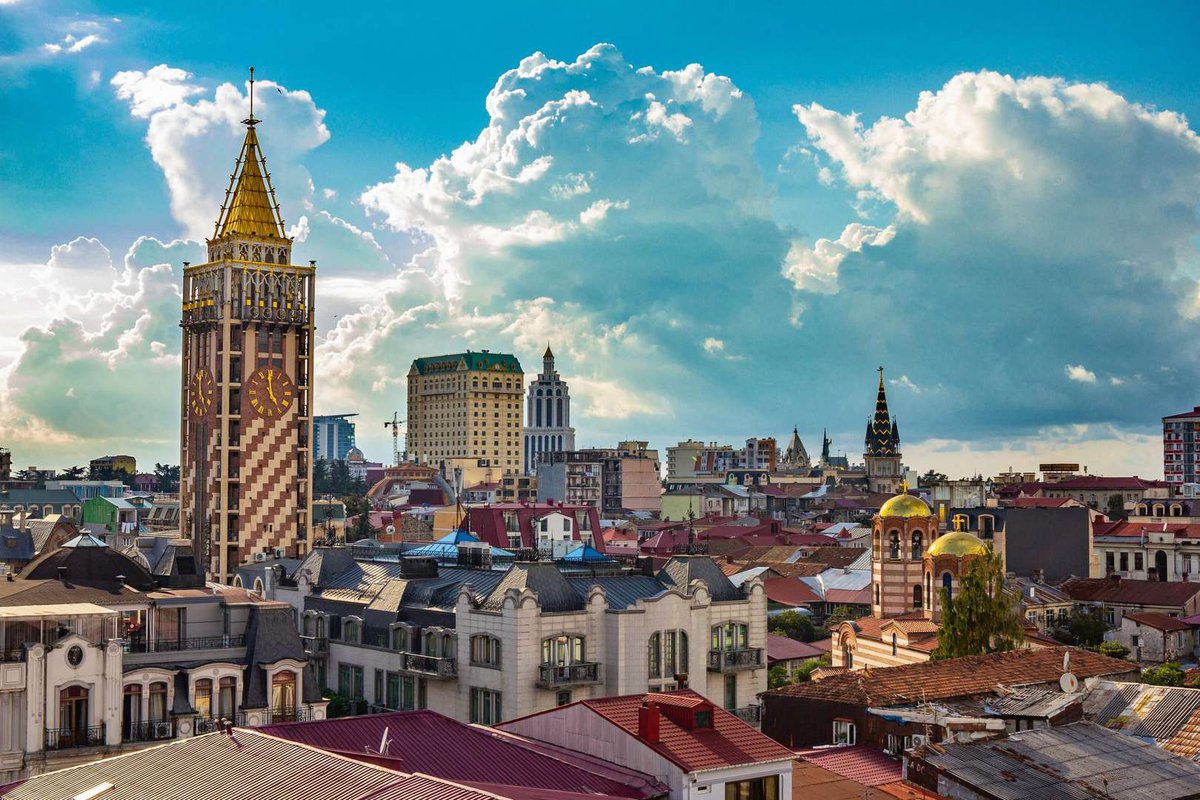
{"points": [[547, 415]]}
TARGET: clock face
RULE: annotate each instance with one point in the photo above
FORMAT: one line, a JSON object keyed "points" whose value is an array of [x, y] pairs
{"points": [[201, 388], [75, 655], [270, 391]]}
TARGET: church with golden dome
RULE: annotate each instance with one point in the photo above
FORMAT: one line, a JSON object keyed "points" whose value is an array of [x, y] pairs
{"points": [[911, 564]]}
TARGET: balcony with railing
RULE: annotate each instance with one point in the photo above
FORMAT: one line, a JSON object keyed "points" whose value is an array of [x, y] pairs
{"points": [[751, 715], [316, 645], [154, 731], [742, 658], [431, 666], [288, 715], [215, 648], [557, 676], [67, 738]]}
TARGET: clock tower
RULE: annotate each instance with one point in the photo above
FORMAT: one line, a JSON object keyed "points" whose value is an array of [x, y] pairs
{"points": [[246, 429]]}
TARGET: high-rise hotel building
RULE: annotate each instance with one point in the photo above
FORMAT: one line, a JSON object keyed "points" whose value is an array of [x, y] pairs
{"points": [[246, 432], [466, 406], [1181, 440]]}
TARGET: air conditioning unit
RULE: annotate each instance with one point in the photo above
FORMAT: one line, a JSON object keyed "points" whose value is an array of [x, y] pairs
{"points": [[280, 552], [260, 557], [918, 740]]}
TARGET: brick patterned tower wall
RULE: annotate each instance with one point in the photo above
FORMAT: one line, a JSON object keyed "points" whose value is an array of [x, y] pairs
{"points": [[247, 389]]}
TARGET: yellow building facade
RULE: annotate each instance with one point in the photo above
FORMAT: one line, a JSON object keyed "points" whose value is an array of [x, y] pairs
{"points": [[466, 406]]}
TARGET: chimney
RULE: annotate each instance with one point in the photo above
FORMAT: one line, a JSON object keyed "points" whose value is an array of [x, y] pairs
{"points": [[118, 582], [681, 680], [648, 719]]}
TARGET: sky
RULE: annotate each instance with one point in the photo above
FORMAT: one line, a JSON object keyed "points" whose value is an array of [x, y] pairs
{"points": [[723, 217]]}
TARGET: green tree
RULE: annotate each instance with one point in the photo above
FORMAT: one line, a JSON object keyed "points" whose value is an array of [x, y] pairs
{"points": [[807, 667], [320, 475], [72, 474], [793, 625], [1085, 627], [984, 617], [1114, 649], [166, 477], [841, 614], [1116, 507], [931, 477], [778, 676], [1168, 674]]}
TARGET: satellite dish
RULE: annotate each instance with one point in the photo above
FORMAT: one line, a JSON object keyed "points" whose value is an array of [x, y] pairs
{"points": [[1068, 683], [391, 529]]}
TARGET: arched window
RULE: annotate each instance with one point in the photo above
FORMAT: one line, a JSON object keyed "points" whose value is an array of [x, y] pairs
{"points": [[667, 653], [917, 543], [158, 701], [894, 545], [485, 651], [987, 526], [1158, 509], [203, 701], [400, 639], [562, 650], [947, 582], [929, 587], [283, 693], [131, 717], [227, 699], [917, 598], [350, 632], [258, 586]]}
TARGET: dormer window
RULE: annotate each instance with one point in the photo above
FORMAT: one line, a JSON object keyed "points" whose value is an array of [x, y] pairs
{"points": [[702, 718]]}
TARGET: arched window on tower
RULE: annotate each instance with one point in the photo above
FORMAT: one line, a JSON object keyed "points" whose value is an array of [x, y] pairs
{"points": [[929, 587], [917, 598], [948, 583], [894, 545], [917, 541], [877, 595]]}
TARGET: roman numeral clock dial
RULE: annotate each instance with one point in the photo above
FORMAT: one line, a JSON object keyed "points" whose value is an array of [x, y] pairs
{"points": [[270, 392], [201, 391]]}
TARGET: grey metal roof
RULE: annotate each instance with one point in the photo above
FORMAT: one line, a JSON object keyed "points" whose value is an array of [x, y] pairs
{"points": [[1031, 701], [270, 636], [1138, 709], [621, 591], [553, 590], [680, 571], [1062, 763]]}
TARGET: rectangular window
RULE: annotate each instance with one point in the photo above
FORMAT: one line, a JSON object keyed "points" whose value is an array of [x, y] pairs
{"points": [[1124, 562], [393, 690], [485, 706], [844, 732], [350, 680], [1110, 562], [764, 788], [1138, 563]]}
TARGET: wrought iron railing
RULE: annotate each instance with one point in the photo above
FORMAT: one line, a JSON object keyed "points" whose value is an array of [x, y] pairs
{"points": [[429, 665], [153, 731], [733, 660], [288, 714], [206, 724], [178, 645], [13, 656], [317, 645], [554, 675], [66, 738], [751, 715]]}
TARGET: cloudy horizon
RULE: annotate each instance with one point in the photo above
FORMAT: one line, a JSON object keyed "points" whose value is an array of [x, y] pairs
{"points": [[711, 253]]}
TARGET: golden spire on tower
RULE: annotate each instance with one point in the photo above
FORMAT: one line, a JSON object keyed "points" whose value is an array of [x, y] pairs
{"points": [[250, 208]]}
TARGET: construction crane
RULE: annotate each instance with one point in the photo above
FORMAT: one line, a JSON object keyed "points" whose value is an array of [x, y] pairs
{"points": [[394, 423]]}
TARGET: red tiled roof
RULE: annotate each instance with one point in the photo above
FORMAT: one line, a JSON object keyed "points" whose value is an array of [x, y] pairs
{"points": [[954, 677], [1195, 412], [783, 648], [1097, 482], [1038, 502], [1133, 592], [729, 743], [427, 742], [1159, 621], [860, 763], [790, 591], [1180, 530]]}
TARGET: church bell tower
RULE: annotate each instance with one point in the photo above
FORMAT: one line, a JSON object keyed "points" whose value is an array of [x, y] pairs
{"points": [[246, 433]]}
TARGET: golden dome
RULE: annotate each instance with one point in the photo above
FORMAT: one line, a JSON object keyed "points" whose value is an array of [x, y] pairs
{"points": [[957, 543], [905, 505]]}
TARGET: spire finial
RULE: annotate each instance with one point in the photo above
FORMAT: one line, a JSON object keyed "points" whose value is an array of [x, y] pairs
{"points": [[881, 377], [250, 121]]}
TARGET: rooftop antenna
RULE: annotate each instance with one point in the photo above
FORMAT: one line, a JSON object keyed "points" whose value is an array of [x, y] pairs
{"points": [[385, 744], [250, 121]]}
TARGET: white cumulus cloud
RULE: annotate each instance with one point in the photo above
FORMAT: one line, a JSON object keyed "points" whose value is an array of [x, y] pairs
{"points": [[1079, 373]]}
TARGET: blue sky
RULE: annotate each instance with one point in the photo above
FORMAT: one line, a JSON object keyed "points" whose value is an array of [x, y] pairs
{"points": [[998, 205]]}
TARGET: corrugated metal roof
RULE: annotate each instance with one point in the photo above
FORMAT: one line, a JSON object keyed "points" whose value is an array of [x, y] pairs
{"points": [[424, 741], [249, 766], [1138, 709], [1072, 761]]}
